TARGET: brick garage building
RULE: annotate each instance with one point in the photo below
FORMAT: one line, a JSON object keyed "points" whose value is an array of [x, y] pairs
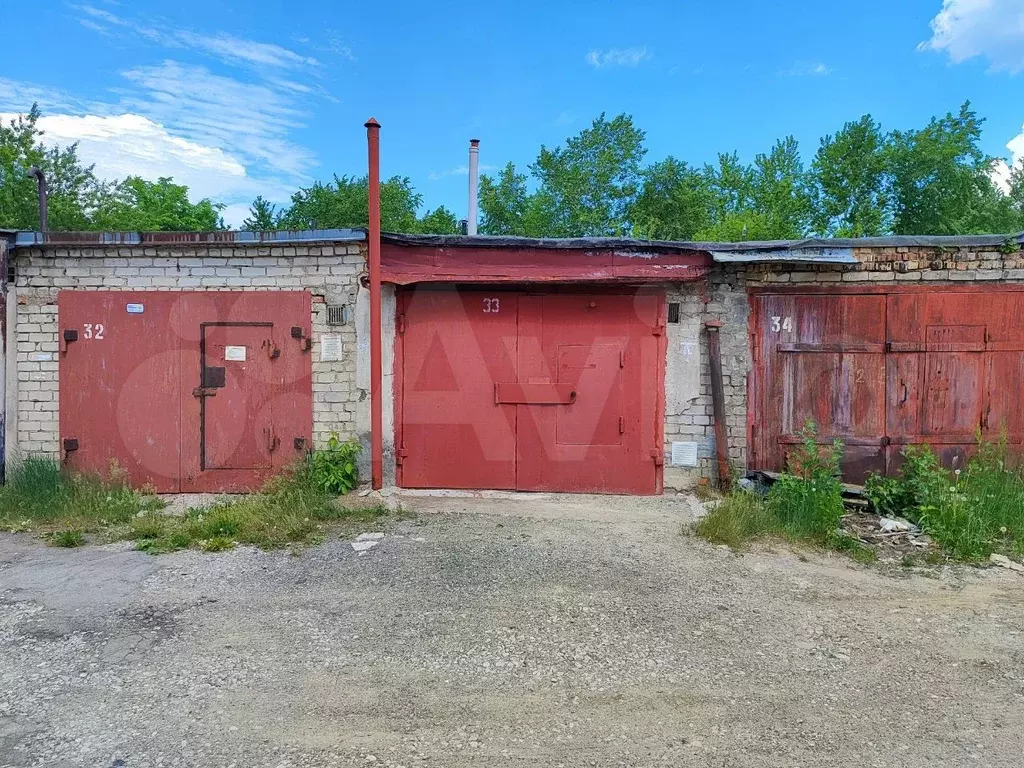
{"points": [[880, 342]]}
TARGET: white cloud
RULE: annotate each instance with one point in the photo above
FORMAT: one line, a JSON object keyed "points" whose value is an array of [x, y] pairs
{"points": [[992, 29], [251, 119], [1000, 173], [617, 57], [228, 48], [806, 69], [235, 214], [459, 170]]}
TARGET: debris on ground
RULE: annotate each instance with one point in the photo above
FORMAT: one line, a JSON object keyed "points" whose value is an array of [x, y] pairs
{"points": [[1004, 562], [886, 534], [896, 525], [367, 541]]}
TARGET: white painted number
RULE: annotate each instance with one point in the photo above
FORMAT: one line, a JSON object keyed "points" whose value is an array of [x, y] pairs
{"points": [[491, 305], [782, 324], [93, 331]]}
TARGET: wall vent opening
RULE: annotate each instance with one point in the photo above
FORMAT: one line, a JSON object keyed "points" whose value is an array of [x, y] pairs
{"points": [[337, 314], [673, 312]]}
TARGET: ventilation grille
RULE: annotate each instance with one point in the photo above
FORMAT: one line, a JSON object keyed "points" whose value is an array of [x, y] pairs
{"points": [[337, 314]]}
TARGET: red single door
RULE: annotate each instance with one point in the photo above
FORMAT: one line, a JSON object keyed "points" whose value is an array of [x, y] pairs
{"points": [[599, 432], [235, 396], [456, 345]]}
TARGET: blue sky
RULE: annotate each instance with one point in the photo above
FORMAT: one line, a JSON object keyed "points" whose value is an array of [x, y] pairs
{"points": [[258, 97]]}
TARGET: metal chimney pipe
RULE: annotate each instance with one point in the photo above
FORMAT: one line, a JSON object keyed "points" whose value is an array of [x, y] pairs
{"points": [[474, 167], [373, 237], [36, 171]]}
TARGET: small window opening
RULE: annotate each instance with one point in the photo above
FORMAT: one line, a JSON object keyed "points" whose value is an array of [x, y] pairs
{"points": [[673, 312]]}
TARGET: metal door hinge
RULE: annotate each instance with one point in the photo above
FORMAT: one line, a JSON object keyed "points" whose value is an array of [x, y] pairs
{"points": [[658, 456], [400, 323], [272, 440], [400, 454], [622, 425], [658, 330]]}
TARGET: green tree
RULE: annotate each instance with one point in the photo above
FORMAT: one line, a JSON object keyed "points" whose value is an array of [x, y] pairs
{"points": [[779, 190], [439, 221], [507, 209], [344, 204], [263, 216], [591, 183], [137, 205], [72, 187], [849, 183], [940, 179], [675, 202]]}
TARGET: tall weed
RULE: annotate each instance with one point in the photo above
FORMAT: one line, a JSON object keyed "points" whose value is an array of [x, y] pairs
{"points": [[807, 500]]}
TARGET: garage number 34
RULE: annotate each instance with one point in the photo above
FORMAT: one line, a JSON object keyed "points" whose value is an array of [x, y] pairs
{"points": [[782, 324]]}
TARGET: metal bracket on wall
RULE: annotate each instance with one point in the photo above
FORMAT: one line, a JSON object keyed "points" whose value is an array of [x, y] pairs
{"points": [[69, 336], [300, 335]]}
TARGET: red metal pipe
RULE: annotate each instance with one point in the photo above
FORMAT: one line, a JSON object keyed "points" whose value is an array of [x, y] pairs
{"points": [[376, 412]]}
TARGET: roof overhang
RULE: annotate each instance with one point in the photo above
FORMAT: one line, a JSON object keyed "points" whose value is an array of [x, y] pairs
{"points": [[405, 264], [786, 256]]}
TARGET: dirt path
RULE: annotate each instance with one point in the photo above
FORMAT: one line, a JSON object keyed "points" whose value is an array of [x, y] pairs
{"points": [[494, 632]]}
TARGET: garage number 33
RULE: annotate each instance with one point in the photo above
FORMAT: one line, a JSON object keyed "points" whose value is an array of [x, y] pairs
{"points": [[491, 306]]}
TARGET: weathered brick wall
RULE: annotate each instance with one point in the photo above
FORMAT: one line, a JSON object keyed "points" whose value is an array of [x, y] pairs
{"points": [[724, 297], [329, 270]]}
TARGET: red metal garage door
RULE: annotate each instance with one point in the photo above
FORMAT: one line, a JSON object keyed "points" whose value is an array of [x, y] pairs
{"points": [[883, 370], [190, 391], [504, 389]]}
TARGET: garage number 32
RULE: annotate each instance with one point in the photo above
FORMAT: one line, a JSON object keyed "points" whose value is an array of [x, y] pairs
{"points": [[93, 331], [491, 306]]}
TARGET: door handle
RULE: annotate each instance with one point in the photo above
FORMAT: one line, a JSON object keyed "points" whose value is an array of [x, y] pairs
{"points": [[906, 392]]}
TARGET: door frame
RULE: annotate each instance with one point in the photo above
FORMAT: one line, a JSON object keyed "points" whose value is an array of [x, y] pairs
{"points": [[658, 291], [754, 292]]}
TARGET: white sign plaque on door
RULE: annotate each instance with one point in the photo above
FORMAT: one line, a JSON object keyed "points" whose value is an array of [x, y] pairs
{"points": [[234, 353]]}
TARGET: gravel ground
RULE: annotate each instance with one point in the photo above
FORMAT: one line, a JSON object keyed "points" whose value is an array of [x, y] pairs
{"points": [[535, 631]]}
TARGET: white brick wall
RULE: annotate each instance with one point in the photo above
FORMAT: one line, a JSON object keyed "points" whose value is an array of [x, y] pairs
{"points": [[330, 271]]}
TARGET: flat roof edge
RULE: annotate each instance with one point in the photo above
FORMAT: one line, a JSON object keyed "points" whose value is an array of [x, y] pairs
{"points": [[102, 239]]}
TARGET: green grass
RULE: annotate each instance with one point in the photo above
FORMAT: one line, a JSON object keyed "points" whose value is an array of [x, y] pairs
{"points": [[292, 509], [41, 496], [971, 511], [67, 539], [736, 519], [805, 505]]}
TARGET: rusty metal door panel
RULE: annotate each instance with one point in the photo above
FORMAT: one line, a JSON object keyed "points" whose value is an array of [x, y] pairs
{"points": [[456, 346], [119, 385], [244, 420], [131, 381], [821, 358], [953, 366], [531, 392], [236, 402], [609, 347]]}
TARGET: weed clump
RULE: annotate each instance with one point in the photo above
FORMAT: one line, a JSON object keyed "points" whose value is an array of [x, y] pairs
{"points": [[41, 495], [971, 512]]}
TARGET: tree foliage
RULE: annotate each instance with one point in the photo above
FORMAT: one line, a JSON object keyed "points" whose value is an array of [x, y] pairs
{"points": [[861, 181], [77, 200]]}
